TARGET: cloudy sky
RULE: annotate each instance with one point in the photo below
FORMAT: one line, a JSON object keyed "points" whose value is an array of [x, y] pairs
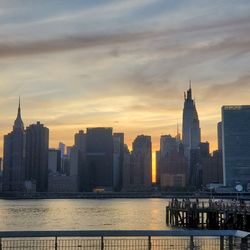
{"points": [[124, 64]]}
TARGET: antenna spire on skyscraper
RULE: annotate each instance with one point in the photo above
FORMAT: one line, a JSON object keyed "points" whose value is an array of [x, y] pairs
{"points": [[18, 122]]}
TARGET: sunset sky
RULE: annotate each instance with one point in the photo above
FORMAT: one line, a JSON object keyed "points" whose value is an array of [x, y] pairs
{"points": [[122, 64]]}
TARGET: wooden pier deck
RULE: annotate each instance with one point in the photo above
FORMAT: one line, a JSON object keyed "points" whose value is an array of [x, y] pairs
{"points": [[208, 215]]}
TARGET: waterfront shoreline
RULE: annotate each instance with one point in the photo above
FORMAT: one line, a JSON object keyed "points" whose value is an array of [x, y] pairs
{"points": [[123, 195]]}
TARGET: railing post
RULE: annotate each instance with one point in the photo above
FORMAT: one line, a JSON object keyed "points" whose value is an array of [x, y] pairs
{"points": [[191, 244], [1, 244], [102, 243], [244, 244], [149, 242], [230, 243], [222, 243], [55, 243]]}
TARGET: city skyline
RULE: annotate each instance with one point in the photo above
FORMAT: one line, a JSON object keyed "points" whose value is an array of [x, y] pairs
{"points": [[122, 64]]}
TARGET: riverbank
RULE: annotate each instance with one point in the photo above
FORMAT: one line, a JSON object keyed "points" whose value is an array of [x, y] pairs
{"points": [[120, 195]]}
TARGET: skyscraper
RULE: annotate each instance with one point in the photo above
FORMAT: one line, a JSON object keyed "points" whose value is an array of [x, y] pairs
{"points": [[236, 144], [80, 141], [13, 160], [118, 141], [98, 170], [36, 162], [141, 163], [172, 162], [219, 135], [191, 135], [54, 161]]}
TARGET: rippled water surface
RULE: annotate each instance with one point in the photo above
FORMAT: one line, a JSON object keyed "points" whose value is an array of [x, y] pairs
{"points": [[83, 214]]}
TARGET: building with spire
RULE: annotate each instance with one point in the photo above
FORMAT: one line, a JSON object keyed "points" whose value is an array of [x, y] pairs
{"points": [[13, 160], [191, 137]]}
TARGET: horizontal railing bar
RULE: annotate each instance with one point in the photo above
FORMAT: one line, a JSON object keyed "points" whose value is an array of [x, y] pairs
{"points": [[124, 233]]}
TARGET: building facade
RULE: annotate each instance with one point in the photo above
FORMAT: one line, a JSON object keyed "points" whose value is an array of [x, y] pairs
{"points": [[98, 169], [172, 163], [191, 136], [13, 160], [141, 163], [118, 141], [236, 145], [36, 160]]}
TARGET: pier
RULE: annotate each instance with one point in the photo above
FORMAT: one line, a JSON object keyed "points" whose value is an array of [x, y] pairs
{"points": [[208, 215]]}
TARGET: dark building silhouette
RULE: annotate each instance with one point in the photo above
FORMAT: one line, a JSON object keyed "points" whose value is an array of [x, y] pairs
{"points": [[172, 162], [219, 135], [80, 145], [54, 161], [141, 163], [118, 140], [191, 137], [13, 159], [80, 141], [98, 169], [126, 172], [212, 168], [158, 167], [36, 162], [236, 145]]}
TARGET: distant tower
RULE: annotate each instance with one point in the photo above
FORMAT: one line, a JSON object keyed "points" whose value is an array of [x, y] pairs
{"points": [[191, 135], [13, 160]]}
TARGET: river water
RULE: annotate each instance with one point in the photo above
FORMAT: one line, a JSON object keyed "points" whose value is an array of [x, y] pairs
{"points": [[83, 214]]}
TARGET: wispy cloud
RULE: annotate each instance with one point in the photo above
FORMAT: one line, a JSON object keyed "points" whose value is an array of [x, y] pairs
{"points": [[122, 63]]}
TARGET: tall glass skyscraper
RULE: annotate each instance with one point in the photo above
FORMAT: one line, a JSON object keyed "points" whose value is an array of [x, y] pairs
{"points": [[191, 138], [236, 144], [191, 134]]}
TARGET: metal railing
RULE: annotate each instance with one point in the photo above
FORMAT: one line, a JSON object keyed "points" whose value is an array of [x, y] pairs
{"points": [[121, 240]]}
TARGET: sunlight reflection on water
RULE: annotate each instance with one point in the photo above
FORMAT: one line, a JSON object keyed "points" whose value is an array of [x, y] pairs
{"points": [[80, 214]]}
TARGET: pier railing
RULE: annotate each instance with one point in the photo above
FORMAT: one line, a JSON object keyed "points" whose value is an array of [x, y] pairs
{"points": [[121, 240]]}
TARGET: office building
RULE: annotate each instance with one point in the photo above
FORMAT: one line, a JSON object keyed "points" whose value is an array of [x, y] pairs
{"points": [[80, 141], [191, 137], [219, 135], [236, 145], [62, 147], [13, 159], [126, 169], [141, 163], [118, 141], [36, 161], [172, 163], [98, 170], [55, 161]]}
